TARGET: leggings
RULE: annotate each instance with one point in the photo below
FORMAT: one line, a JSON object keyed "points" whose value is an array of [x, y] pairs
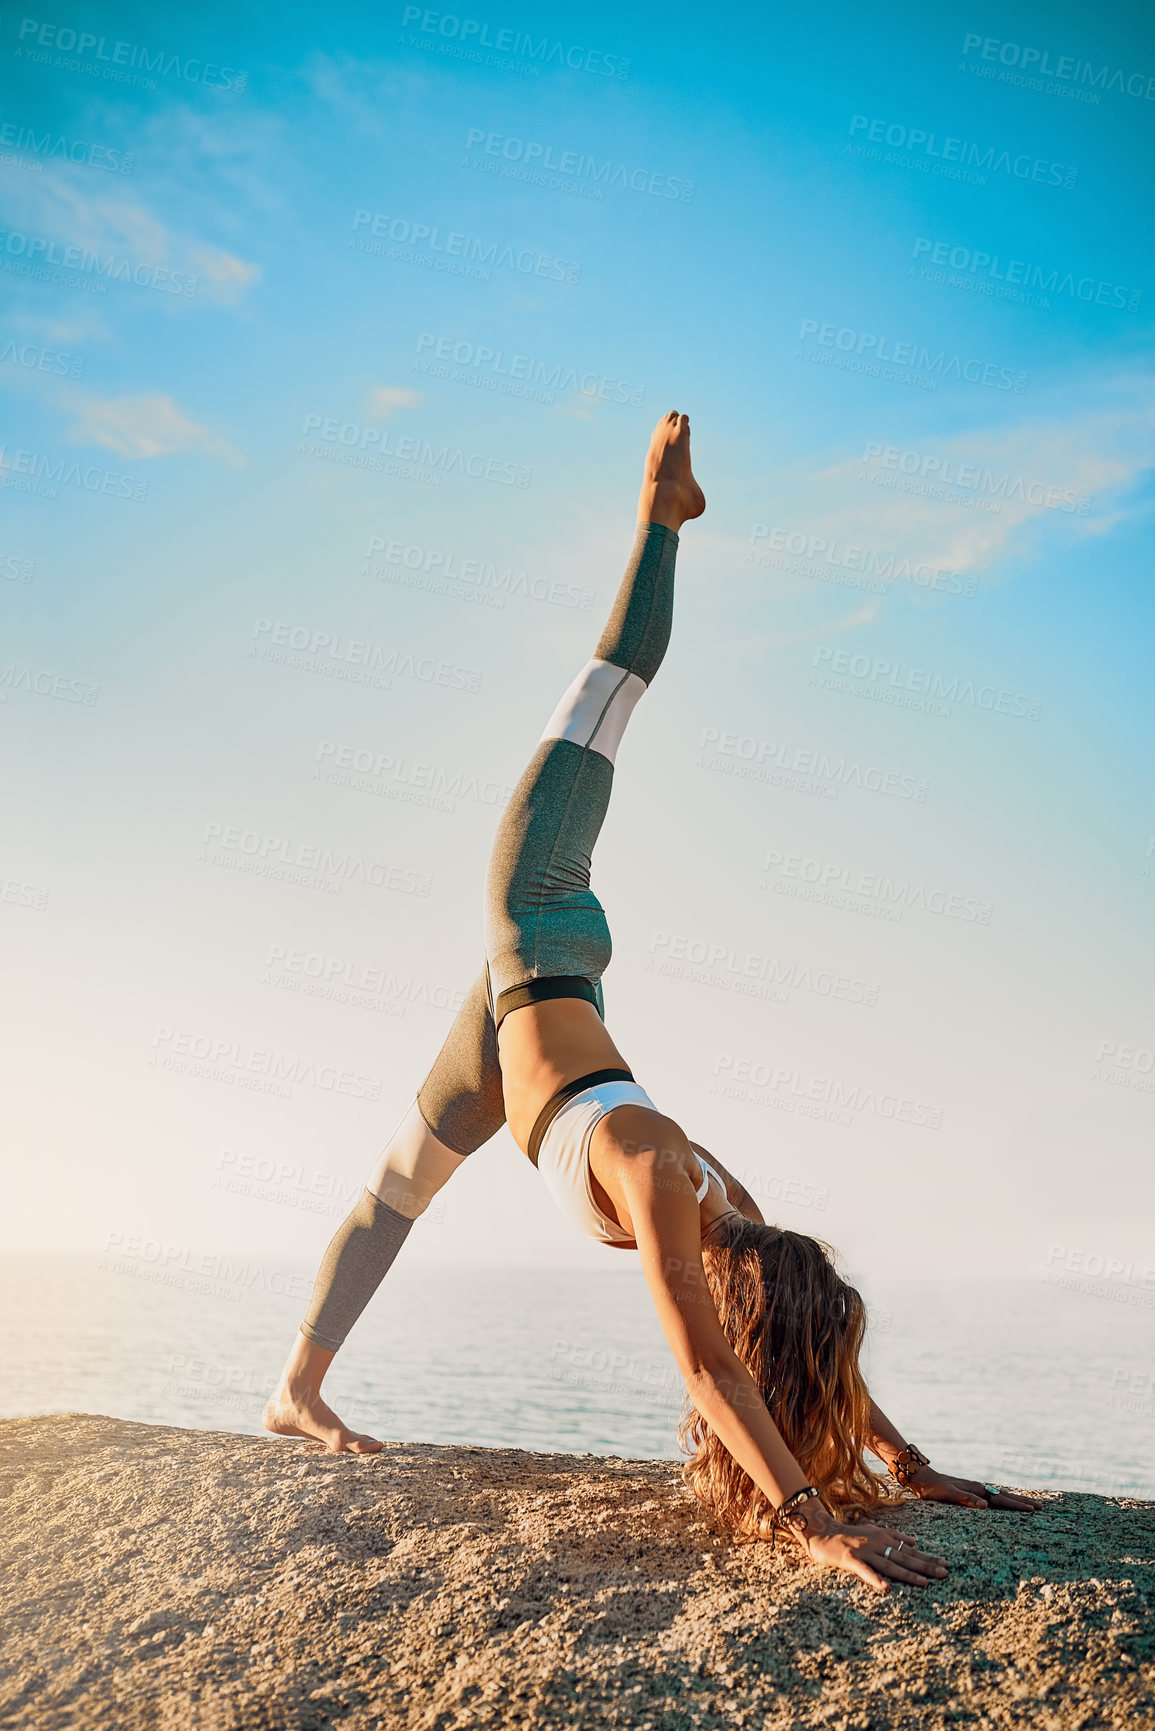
{"points": [[546, 936]]}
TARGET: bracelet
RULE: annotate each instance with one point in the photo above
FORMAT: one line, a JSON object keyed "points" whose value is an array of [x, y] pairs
{"points": [[909, 1462], [792, 1508]]}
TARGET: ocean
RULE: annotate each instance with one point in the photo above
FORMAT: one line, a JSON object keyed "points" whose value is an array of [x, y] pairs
{"points": [[1030, 1384]]}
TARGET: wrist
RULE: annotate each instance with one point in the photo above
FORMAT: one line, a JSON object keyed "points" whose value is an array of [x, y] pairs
{"points": [[804, 1517], [908, 1464]]}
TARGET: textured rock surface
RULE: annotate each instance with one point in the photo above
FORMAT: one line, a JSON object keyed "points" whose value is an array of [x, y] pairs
{"points": [[183, 1578]]}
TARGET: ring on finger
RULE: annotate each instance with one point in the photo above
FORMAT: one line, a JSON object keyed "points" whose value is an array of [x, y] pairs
{"points": [[992, 1490], [888, 1550]]}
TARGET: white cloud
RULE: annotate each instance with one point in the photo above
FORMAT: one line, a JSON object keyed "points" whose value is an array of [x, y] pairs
{"points": [[383, 399], [976, 501], [55, 210], [146, 426]]}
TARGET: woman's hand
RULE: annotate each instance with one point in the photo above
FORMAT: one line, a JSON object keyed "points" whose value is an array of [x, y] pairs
{"points": [[935, 1487], [877, 1555]]}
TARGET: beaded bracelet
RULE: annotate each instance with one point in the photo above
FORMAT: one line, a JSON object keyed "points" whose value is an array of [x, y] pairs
{"points": [[793, 1505], [909, 1462]]}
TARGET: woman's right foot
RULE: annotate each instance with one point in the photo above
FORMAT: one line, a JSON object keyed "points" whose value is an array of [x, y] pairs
{"points": [[670, 495], [289, 1414]]}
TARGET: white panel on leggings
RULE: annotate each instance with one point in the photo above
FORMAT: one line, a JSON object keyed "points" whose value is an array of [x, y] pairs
{"points": [[596, 708], [413, 1167]]}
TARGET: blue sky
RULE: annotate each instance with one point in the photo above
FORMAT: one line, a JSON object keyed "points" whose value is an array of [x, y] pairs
{"points": [[796, 240]]}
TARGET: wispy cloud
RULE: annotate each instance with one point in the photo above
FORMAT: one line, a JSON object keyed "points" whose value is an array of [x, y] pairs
{"points": [[979, 501], [52, 207], [383, 399], [146, 426]]}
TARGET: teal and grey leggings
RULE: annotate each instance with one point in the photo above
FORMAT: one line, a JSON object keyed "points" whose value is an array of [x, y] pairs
{"points": [[546, 936]]}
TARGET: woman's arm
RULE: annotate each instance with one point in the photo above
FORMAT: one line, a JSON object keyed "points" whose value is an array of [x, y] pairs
{"points": [[654, 1190], [930, 1485]]}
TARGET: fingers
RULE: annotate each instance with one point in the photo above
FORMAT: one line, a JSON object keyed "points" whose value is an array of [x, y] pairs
{"points": [[900, 1542], [904, 1562], [910, 1576], [952, 1491], [867, 1574], [990, 1496]]}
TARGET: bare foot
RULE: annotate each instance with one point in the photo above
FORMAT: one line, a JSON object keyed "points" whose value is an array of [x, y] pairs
{"points": [[670, 495], [308, 1416]]}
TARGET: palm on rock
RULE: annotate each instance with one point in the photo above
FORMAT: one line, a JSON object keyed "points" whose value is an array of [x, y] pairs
{"points": [[934, 1487]]}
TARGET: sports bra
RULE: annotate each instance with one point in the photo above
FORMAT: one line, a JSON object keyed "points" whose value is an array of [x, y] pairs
{"points": [[563, 1155]]}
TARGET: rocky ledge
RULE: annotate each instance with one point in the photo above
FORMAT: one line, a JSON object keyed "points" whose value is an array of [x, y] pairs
{"points": [[173, 1578]]}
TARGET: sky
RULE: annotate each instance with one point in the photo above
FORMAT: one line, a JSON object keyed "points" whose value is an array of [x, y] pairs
{"points": [[331, 347]]}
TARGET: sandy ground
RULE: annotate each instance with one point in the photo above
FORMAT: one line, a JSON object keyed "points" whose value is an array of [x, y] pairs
{"points": [[177, 1578]]}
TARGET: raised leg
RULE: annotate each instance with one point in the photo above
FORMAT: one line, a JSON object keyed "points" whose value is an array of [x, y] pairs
{"points": [[546, 934]]}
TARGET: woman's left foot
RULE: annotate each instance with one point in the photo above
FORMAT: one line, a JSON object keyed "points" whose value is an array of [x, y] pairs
{"points": [[670, 495], [289, 1415]]}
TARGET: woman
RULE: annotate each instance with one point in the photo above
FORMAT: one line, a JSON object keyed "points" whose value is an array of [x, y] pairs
{"points": [[764, 1331]]}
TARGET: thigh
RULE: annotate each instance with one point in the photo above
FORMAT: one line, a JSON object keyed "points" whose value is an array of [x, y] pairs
{"points": [[542, 918]]}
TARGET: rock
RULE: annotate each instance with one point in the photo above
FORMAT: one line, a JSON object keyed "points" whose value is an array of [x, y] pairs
{"points": [[160, 1577]]}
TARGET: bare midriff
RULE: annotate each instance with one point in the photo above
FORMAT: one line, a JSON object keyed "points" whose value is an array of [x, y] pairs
{"points": [[544, 1046]]}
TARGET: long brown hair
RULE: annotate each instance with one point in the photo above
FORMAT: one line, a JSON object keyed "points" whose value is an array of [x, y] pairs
{"points": [[797, 1326]]}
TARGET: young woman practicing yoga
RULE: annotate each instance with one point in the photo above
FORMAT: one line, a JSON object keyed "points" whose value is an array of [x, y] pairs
{"points": [[764, 1330]]}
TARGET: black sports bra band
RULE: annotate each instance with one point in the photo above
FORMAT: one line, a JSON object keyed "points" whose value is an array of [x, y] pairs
{"points": [[556, 1101]]}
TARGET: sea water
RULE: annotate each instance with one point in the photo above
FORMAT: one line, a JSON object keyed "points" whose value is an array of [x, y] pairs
{"points": [[1024, 1383]]}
